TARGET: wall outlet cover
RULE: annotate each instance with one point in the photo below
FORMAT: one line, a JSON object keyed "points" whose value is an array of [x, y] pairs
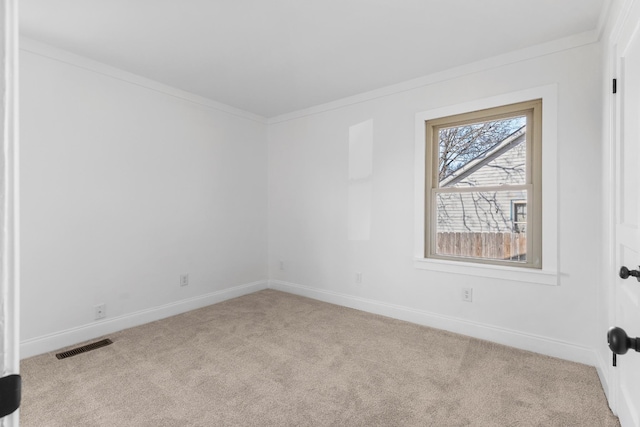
{"points": [[100, 311], [184, 280]]}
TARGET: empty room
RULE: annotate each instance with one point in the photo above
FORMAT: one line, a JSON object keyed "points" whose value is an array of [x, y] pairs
{"points": [[320, 213]]}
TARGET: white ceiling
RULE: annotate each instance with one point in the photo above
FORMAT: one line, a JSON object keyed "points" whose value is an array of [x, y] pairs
{"points": [[271, 57]]}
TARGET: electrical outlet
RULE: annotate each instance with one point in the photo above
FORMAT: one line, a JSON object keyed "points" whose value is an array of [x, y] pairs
{"points": [[358, 277], [467, 294], [101, 311], [184, 279]]}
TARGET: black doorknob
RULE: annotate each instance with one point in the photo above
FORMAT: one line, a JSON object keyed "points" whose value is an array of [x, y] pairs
{"points": [[619, 341], [625, 273]]}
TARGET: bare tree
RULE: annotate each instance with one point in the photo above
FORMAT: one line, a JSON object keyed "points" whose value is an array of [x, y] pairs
{"points": [[461, 144]]}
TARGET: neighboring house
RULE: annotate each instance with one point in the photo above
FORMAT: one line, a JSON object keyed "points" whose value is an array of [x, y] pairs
{"points": [[495, 211], [486, 224]]}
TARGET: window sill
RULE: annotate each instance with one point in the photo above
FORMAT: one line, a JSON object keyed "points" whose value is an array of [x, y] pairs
{"points": [[516, 274]]}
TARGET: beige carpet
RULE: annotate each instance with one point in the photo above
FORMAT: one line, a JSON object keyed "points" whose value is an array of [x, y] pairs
{"points": [[275, 359]]}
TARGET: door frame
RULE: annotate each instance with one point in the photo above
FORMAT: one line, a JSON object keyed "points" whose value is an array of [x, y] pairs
{"points": [[9, 207]]}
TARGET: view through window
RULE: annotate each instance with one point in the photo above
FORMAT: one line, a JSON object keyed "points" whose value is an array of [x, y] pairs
{"points": [[484, 179]]}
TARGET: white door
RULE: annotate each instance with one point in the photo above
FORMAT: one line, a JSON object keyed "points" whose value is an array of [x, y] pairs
{"points": [[9, 305], [627, 238]]}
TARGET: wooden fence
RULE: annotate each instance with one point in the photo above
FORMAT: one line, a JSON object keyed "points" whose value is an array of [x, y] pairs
{"points": [[511, 246]]}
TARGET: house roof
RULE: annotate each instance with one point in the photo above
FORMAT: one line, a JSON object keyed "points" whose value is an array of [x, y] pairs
{"points": [[510, 142]]}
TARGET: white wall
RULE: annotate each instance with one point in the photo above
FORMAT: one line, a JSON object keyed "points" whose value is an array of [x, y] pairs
{"points": [[308, 200], [124, 188]]}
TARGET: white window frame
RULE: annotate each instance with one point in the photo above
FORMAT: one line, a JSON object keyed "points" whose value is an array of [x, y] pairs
{"points": [[548, 274]]}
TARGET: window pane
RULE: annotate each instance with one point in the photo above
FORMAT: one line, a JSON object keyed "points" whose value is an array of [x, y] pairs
{"points": [[487, 225], [519, 213], [483, 154]]}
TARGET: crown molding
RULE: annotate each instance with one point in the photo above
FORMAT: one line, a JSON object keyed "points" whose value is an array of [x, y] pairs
{"points": [[57, 54], [559, 45]]}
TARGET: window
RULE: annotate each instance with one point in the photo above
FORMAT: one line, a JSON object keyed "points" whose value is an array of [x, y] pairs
{"points": [[483, 186], [519, 215]]}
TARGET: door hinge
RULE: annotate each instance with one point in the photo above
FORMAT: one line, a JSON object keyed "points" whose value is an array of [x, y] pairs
{"points": [[615, 85], [10, 394]]}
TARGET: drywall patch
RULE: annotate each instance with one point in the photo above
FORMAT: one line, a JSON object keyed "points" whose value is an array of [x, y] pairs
{"points": [[360, 186]]}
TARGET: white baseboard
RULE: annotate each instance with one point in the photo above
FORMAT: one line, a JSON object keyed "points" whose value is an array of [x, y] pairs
{"points": [[538, 344], [602, 368], [51, 342], [512, 338]]}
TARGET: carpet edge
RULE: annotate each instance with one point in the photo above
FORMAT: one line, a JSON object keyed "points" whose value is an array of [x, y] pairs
{"points": [[50, 342], [524, 341]]}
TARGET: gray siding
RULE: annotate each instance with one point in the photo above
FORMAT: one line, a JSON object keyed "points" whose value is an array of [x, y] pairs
{"points": [[488, 211]]}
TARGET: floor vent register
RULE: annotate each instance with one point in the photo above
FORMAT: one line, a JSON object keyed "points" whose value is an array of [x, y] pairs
{"points": [[84, 349]]}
